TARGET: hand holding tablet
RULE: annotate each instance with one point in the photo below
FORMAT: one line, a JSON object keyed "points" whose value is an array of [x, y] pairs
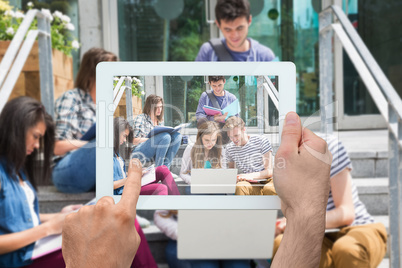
{"points": [[302, 158], [103, 235]]}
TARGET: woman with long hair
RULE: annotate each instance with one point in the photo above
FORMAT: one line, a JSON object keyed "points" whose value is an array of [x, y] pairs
{"points": [[161, 147], [26, 135], [206, 152], [75, 115], [122, 130]]}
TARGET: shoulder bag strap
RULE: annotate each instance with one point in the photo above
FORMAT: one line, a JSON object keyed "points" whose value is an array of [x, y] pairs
{"points": [[220, 50], [213, 99]]}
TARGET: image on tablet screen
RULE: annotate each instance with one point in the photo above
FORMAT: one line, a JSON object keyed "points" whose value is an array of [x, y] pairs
{"points": [[196, 135]]}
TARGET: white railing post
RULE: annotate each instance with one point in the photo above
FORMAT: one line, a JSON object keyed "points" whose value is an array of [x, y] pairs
{"points": [[129, 102], [400, 190], [326, 71], [45, 64], [394, 190]]}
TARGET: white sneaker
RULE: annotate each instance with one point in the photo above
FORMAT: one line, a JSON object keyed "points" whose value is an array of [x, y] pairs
{"points": [[144, 223]]}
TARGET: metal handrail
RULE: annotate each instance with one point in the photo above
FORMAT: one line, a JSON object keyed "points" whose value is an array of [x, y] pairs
{"points": [[272, 91], [16, 56], [118, 93], [385, 97], [372, 65]]}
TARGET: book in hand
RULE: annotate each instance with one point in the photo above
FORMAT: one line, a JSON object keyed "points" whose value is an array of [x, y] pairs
{"points": [[232, 109], [90, 134], [159, 129], [258, 181], [148, 175], [50, 243]]}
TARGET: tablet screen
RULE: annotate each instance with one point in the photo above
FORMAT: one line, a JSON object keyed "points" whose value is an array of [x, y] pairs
{"points": [[206, 133]]}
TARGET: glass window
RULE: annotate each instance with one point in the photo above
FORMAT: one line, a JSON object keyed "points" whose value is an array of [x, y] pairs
{"points": [[289, 28], [161, 30], [182, 93], [371, 20]]}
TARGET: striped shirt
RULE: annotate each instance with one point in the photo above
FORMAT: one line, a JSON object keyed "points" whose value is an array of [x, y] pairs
{"points": [[249, 158], [340, 161], [75, 113]]}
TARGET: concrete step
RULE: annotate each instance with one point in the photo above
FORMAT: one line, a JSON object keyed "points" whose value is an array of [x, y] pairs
{"points": [[373, 192], [369, 164], [50, 200], [157, 243]]}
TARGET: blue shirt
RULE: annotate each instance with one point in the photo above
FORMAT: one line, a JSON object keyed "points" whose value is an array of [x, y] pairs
{"points": [[227, 99], [219, 99], [257, 52], [118, 173], [15, 216]]}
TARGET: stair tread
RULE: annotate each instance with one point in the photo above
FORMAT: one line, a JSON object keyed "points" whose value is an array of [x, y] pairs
{"points": [[50, 193], [372, 185]]}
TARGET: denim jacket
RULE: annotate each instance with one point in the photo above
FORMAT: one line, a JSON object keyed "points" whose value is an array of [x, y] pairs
{"points": [[117, 174], [15, 216]]}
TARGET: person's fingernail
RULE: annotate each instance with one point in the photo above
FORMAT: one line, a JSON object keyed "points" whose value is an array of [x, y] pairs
{"points": [[291, 118]]}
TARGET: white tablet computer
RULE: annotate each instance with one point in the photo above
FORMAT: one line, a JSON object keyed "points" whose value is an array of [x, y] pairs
{"points": [[262, 117]]}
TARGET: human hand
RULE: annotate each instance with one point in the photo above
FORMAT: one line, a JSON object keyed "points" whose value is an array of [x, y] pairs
{"points": [[55, 224], [280, 226], [244, 177], [104, 235], [302, 168], [70, 208], [220, 118], [301, 180]]}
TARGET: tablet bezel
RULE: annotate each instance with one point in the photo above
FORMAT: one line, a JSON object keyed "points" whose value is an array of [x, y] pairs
{"points": [[106, 71]]}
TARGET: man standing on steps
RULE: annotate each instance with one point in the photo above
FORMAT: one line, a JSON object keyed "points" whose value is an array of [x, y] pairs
{"points": [[233, 18]]}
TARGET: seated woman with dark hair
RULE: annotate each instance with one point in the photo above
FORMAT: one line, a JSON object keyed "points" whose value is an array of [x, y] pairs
{"points": [[122, 130], [75, 114], [161, 147], [26, 135]]}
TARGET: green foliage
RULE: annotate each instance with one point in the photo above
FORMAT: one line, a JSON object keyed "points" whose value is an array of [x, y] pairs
{"points": [[62, 6], [60, 26], [186, 33], [185, 48], [136, 86], [194, 91]]}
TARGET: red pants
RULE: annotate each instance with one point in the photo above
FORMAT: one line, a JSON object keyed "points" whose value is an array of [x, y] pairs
{"points": [[166, 187]]}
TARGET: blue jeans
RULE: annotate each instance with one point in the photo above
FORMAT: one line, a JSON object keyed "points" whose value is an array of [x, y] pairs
{"points": [[171, 256], [75, 172], [162, 148]]}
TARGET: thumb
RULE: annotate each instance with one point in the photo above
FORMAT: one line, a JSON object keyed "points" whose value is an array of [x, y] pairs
{"points": [[291, 133]]}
